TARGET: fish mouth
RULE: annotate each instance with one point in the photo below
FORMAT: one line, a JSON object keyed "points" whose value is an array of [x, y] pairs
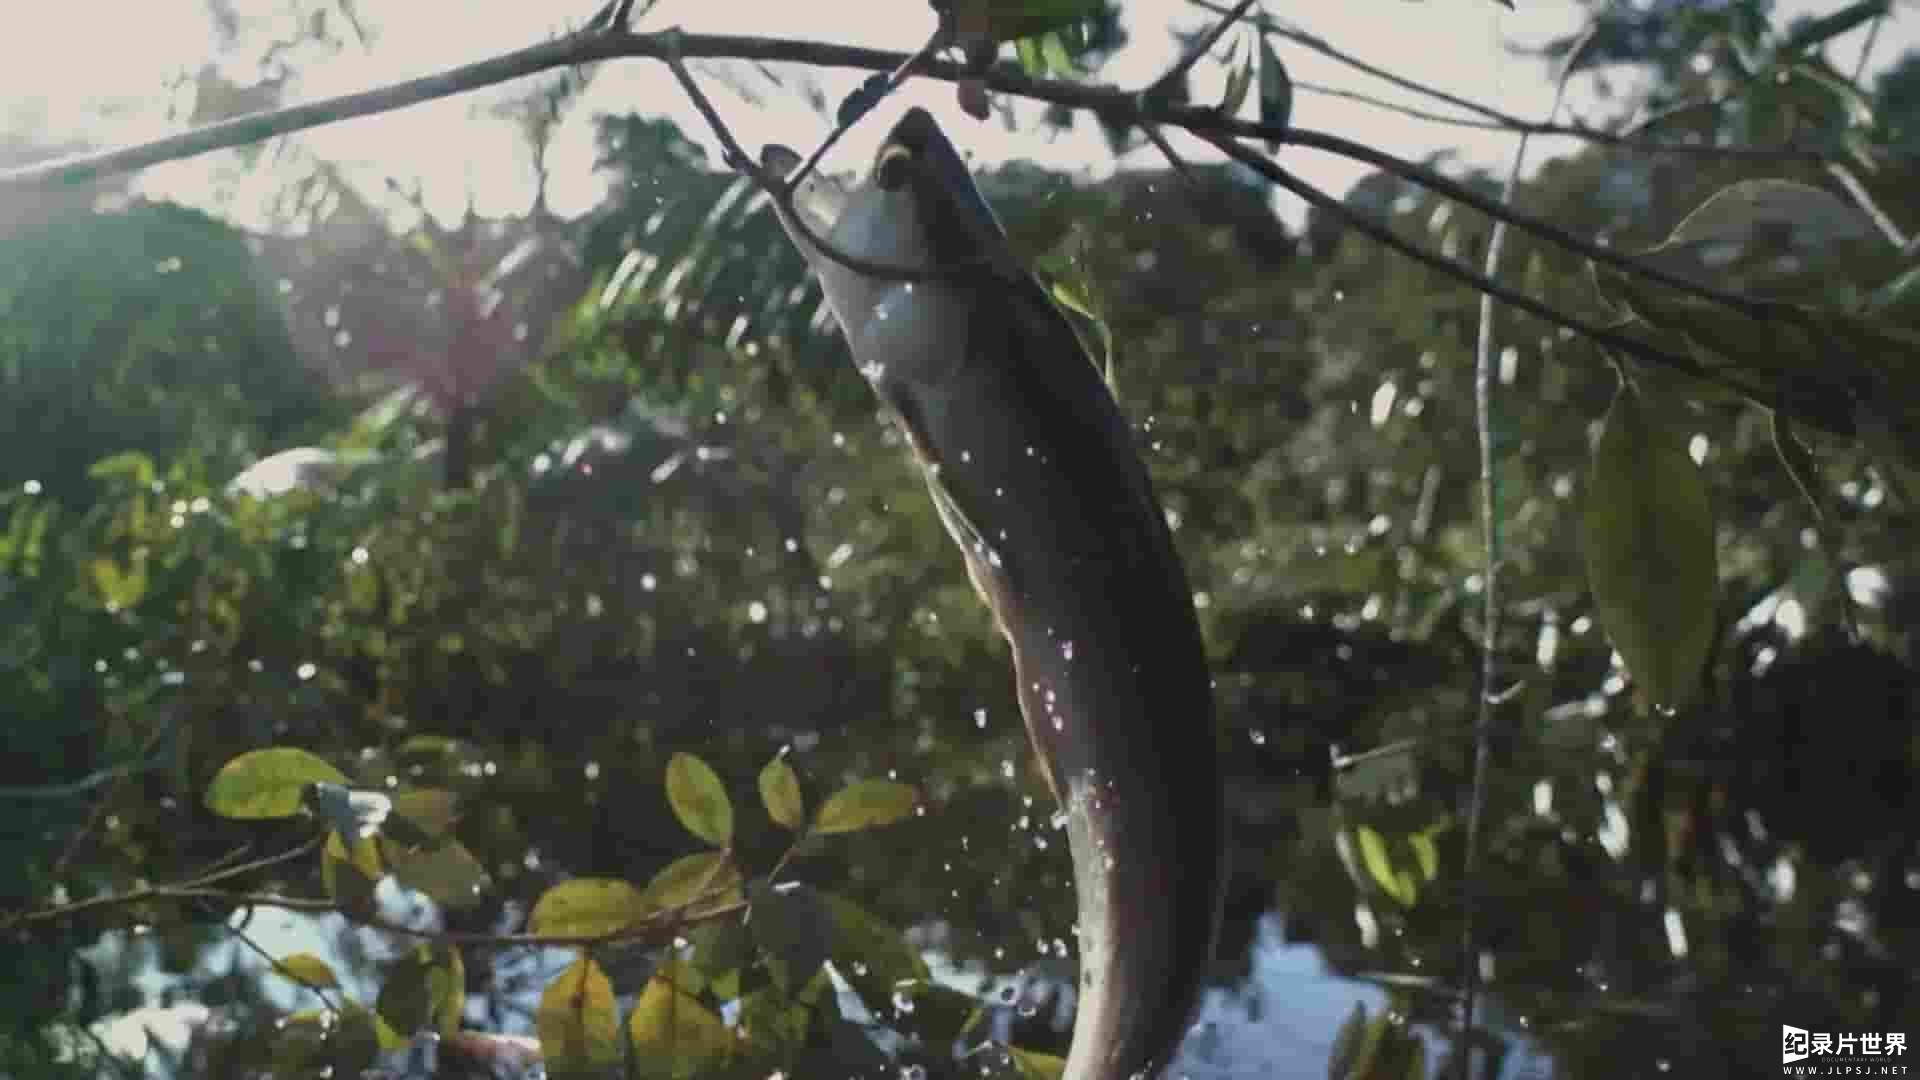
{"points": [[818, 200], [962, 227], [918, 162]]}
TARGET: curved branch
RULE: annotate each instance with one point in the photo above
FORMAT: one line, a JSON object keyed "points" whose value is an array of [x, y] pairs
{"points": [[1113, 103], [1493, 208], [1597, 136], [1612, 338]]}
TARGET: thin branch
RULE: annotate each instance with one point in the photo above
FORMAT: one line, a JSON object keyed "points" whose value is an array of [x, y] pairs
{"points": [[1866, 47], [196, 886], [1269, 24], [900, 75], [278, 968], [781, 191], [1484, 421], [1179, 164], [1112, 103], [1228, 16], [1864, 199], [1500, 213], [1612, 338], [224, 873], [581, 47], [1597, 136], [1498, 119], [70, 788]]}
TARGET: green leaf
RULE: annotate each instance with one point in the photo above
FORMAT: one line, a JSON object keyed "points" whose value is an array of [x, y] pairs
{"points": [[1650, 552], [433, 812], [1012, 20], [720, 947], [1855, 103], [1077, 296], [268, 783], [1776, 239], [1239, 77], [708, 874], [1034, 1065], [1276, 92], [588, 907], [1053, 50], [306, 969], [774, 1021], [579, 1023], [699, 800], [425, 990], [793, 929], [780, 791], [1032, 60], [318, 1042], [872, 955], [1426, 852], [673, 1035], [934, 1014], [131, 466], [866, 804], [1379, 864], [447, 872], [1386, 774], [120, 588], [350, 874]]}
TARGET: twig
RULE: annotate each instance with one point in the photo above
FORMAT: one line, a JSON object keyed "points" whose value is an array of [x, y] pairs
{"points": [[894, 81], [1866, 47], [278, 967], [1484, 421], [1597, 136], [68, 789], [190, 887], [1112, 103], [1200, 48], [1314, 42], [1625, 343], [1500, 213], [781, 191], [1495, 119], [224, 873], [1179, 164], [1863, 198]]}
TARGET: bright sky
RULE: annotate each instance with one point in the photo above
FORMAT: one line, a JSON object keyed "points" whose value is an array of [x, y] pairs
{"points": [[453, 150]]}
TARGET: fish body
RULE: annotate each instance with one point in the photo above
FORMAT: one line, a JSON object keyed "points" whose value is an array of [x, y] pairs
{"points": [[1035, 474]]}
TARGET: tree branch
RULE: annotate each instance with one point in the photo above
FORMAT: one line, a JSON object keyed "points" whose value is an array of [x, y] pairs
{"points": [[1200, 48], [1612, 338], [1497, 119], [1612, 140], [1490, 610], [1115, 104]]}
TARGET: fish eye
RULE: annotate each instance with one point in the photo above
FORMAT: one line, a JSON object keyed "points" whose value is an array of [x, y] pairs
{"points": [[891, 171]]}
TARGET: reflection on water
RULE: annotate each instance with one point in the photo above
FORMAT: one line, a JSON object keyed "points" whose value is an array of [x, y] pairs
{"points": [[1280, 1022]]}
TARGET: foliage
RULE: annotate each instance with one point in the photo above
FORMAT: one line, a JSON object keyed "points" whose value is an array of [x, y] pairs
{"points": [[145, 329]]}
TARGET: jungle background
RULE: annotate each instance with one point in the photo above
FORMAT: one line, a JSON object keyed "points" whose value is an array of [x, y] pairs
{"points": [[510, 512]]}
